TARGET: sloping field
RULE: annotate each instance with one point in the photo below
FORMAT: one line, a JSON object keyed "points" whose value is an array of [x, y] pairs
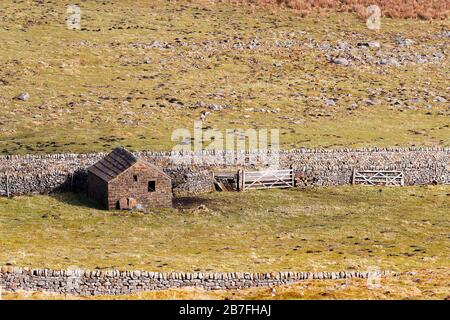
{"points": [[137, 70]]}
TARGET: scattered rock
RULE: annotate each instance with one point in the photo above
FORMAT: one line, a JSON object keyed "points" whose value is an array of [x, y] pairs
{"points": [[203, 115], [211, 106], [403, 42], [253, 44], [200, 104], [438, 55], [370, 44], [444, 34], [342, 46], [152, 45], [389, 61], [24, 96], [215, 107], [440, 99], [340, 61], [370, 102]]}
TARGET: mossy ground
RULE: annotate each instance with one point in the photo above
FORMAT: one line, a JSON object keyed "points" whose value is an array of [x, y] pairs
{"points": [[95, 88]]}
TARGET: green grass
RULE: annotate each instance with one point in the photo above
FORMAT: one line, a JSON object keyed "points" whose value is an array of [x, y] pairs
{"points": [[68, 74], [401, 229]]}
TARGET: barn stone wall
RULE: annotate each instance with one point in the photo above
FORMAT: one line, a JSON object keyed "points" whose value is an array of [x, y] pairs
{"points": [[313, 167], [97, 190], [124, 184], [113, 282]]}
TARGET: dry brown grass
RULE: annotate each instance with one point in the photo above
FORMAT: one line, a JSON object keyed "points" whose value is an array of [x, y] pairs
{"points": [[408, 9]]}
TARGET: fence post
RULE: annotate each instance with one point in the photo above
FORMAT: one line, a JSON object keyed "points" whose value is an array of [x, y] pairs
{"points": [[353, 176], [7, 186], [293, 176], [71, 180]]}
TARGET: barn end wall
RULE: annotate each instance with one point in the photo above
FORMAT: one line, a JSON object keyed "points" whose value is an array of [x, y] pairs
{"points": [[124, 184], [313, 167]]}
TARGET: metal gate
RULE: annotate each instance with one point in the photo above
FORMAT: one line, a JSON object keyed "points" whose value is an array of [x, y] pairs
{"points": [[380, 177], [268, 179]]}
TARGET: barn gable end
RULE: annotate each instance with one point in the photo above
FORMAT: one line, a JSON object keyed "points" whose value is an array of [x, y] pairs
{"points": [[122, 181]]}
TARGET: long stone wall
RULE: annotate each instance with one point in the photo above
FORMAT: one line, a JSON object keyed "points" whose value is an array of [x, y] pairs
{"points": [[113, 282], [314, 167]]}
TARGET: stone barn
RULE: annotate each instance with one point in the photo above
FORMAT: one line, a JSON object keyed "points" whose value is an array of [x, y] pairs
{"points": [[122, 181]]}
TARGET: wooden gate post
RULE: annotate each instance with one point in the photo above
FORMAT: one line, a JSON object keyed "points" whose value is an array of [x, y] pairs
{"points": [[293, 176], [7, 186], [71, 180]]}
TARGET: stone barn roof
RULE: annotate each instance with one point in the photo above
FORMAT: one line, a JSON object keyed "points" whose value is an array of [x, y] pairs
{"points": [[113, 164]]}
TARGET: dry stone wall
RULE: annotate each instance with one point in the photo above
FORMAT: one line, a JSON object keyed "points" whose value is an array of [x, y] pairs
{"points": [[113, 282], [190, 181], [313, 167], [420, 166]]}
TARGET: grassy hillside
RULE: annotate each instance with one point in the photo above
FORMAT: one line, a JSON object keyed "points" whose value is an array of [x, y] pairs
{"points": [[137, 70]]}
